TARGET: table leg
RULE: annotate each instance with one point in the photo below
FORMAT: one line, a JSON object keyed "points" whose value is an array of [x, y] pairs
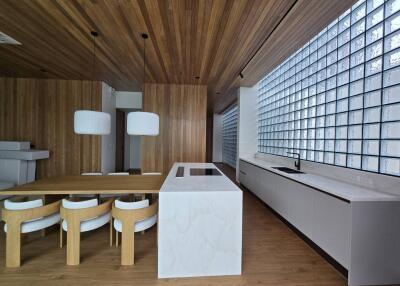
{"points": [[127, 245]]}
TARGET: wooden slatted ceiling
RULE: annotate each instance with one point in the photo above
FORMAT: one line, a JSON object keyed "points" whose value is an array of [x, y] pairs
{"points": [[212, 39]]}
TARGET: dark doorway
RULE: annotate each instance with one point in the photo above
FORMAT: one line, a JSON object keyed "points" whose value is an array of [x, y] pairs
{"points": [[120, 141]]}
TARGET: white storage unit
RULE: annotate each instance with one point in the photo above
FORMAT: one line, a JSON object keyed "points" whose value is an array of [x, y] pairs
{"points": [[229, 136], [343, 228]]}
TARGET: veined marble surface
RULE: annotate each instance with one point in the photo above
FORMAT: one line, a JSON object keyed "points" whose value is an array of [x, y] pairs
{"points": [[200, 225], [335, 187]]}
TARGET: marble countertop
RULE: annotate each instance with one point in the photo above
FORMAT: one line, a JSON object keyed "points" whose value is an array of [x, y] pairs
{"points": [[189, 183], [337, 188]]}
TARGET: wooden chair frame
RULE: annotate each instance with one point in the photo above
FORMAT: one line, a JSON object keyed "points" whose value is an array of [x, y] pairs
{"points": [[128, 219], [74, 217], [14, 219]]}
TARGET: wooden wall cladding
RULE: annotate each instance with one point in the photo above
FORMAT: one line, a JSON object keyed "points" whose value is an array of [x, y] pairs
{"points": [[41, 111], [183, 112]]}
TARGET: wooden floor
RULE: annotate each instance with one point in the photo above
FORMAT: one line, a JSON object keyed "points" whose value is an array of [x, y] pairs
{"points": [[272, 255]]}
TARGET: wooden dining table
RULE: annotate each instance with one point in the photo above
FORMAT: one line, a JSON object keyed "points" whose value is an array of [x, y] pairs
{"points": [[70, 185]]}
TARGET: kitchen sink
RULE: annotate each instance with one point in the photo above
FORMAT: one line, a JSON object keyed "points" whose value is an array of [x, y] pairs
{"points": [[288, 170]]}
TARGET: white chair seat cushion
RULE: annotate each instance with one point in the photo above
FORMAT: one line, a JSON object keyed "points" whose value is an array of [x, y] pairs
{"points": [[38, 224], [139, 226], [91, 224]]}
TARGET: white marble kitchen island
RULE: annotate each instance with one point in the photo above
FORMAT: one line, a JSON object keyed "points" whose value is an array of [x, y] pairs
{"points": [[200, 225]]}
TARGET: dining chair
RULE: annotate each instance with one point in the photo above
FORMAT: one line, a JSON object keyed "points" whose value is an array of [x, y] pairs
{"points": [[24, 216], [81, 216], [131, 217]]}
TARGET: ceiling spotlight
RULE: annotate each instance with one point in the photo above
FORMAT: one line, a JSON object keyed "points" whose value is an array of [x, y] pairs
{"points": [[241, 75], [197, 77], [218, 92]]}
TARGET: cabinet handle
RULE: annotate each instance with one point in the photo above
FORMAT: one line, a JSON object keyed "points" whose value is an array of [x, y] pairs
{"points": [[243, 172]]}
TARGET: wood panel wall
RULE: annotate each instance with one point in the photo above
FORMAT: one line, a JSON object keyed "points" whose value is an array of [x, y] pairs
{"points": [[183, 112], [41, 111]]}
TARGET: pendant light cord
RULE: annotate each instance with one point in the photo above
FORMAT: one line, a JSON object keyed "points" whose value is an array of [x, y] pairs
{"points": [[94, 35], [144, 61]]}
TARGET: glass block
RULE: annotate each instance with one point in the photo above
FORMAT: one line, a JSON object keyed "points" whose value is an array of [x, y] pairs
{"points": [[358, 14], [343, 65], [342, 105], [374, 34], [354, 161], [330, 95], [373, 82], [371, 147], [357, 73], [321, 87], [329, 158], [391, 94], [372, 98], [340, 159], [355, 132], [341, 118], [329, 145], [331, 58], [330, 133], [391, 77], [331, 70], [357, 43], [354, 146], [357, 29], [356, 87], [370, 163], [332, 32], [321, 52], [341, 146], [320, 122], [390, 148], [391, 112], [392, 59], [321, 98], [390, 166], [319, 157], [357, 58], [372, 115], [343, 51], [310, 155], [332, 45], [392, 7], [373, 4], [392, 41], [341, 132], [355, 117], [373, 66], [330, 108], [371, 131], [342, 92], [373, 50], [343, 78], [344, 37], [392, 24], [321, 75], [375, 17], [356, 102], [344, 24], [330, 120]]}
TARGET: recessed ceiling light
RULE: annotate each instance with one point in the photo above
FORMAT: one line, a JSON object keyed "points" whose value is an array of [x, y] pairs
{"points": [[197, 77], [218, 92], [7, 40]]}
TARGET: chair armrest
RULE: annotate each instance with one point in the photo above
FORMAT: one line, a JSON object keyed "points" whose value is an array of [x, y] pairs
{"points": [[136, 214], [87, 213], [20, 216]]}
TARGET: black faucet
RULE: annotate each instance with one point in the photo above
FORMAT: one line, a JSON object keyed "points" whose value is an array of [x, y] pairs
{"points": [[296, 164]]}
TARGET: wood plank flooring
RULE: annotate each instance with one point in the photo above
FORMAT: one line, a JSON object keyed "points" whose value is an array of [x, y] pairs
{"points": [[272, 255]]}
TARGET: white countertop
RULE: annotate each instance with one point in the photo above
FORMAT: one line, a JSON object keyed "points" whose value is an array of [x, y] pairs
{"points": [[189, 183], [337, 188]]}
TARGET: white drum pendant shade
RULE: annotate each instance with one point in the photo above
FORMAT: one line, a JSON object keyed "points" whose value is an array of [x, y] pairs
{"points": [[92, 122], [142, 123]]}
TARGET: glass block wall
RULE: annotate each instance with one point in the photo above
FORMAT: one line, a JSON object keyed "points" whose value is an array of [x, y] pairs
{"points": [[229, 136], [337, 99]]}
